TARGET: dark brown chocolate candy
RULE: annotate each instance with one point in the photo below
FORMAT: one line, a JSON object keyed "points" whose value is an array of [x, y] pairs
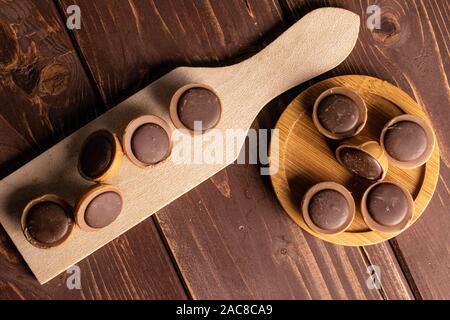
{"points": [[96, 155], [329, 209], [48, 223], [338, 113], [150, 143], [199, 105], [405, 141], [387, 204], [103, 209], [361, 163]]}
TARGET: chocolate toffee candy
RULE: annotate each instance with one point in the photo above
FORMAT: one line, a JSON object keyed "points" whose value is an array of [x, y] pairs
{"points": [[328, 208], [405, 141], [103, 209], [100, 156], [199, 105], [196, 107], [387, 204], [339, 113], [47, 221], [363, 157], [99, 207], [387, 207], [361, 163], [408, 141], [150, 143], [147, 141]]}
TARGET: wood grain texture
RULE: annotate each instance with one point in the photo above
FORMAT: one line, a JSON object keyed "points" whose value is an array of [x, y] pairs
{"points": [[411, 51], [44, 91], [45, 95], [394, 284], [246, 27], [124, 269], [143, 39], [306, 157], [231, 240], [243, 90]]}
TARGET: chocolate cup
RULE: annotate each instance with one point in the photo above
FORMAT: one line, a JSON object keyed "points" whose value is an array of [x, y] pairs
{"points": [[369, 147], [353, 96], [114, 163], [426, 155], [174, 107], [374, 225], [86, 199], [46, 198], [329, 185], [133, 126]]}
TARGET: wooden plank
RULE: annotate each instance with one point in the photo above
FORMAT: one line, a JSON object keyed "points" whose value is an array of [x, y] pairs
{"points": [[159, 35], [393, 281], [426, 262], [45, 94], [411, 51]]}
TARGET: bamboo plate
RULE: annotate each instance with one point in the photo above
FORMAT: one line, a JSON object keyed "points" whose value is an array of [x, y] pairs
{"points": [[305, 157]]}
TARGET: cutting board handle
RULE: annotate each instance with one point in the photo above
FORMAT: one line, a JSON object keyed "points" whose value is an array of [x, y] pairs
{"points": [[318, 42]]}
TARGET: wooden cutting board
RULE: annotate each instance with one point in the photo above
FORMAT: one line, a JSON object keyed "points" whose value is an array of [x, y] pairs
{"points": [[315, 44]]}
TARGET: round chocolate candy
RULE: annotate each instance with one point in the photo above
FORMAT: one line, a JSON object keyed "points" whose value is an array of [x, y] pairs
{"points": [[150, 143], [100, 154], [338, 113], [328, 209], [47, 221], [147, 141], [199, 106], [387, 204], [360, 163], [405, 141], [387, 207], [103, 209], [195, 107], [99, 207], [363, 157], [408, 141]]}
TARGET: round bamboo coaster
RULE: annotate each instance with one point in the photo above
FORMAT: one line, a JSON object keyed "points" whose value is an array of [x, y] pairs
{"points": [[305, 157]]}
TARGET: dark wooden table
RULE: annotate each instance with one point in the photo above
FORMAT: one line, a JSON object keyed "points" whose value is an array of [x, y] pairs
{"points": [[227, 238]]}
